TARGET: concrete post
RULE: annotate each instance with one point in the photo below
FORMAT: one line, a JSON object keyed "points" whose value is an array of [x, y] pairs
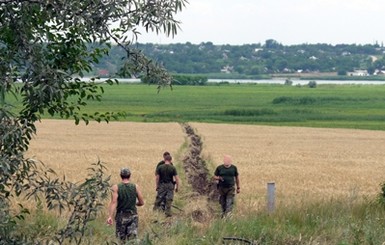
{"points": [[270, 197]]}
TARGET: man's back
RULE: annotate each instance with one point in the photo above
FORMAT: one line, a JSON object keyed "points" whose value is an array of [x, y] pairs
{"points": [[166, 173], [126, 198]]}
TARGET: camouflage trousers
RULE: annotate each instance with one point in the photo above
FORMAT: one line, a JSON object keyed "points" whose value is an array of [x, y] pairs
{"points": [[164, 197], [226, 199], [126, 226]]}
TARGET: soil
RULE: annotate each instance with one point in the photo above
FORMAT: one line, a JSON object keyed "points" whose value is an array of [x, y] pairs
{"points": [[195, 166]]}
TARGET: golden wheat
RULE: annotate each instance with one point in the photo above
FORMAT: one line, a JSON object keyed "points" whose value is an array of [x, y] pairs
{"points": [[304, 163]]}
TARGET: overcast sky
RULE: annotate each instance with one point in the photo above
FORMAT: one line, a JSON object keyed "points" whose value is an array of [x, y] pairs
{"points": [[238, 22]]}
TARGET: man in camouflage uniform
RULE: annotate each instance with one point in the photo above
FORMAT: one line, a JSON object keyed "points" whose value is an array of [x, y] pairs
{"points": [[125, 197], [165, 185], [165, 154], [227, 176], [162, 205]]}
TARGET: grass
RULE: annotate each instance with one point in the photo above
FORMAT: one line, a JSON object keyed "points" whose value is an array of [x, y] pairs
{"points": [[332, 221], [316, 170], [327, 222], [350, 106], [326, 180]]}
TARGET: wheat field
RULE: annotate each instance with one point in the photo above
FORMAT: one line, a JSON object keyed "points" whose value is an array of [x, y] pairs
{"points": [[306, 164]]}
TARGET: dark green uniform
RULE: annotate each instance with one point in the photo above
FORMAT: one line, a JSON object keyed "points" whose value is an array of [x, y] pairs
{"points": [[226, 186], [165, 191], [159, 163], [126, 214]]}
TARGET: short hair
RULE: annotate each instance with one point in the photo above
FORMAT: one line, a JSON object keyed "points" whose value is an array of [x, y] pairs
{"points": [[125, 173], [168, 158], [166, 153]]}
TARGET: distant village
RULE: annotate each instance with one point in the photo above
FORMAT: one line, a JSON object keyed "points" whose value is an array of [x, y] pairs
{"points": [[255, 60]]}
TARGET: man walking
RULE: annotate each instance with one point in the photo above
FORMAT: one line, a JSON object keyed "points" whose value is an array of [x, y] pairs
{"points": [[165, 185], [227, 176], [125, 197], [162, 205], [166, 153]]}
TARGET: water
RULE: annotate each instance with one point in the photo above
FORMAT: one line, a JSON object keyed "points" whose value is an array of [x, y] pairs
{"points": [[297, 81], [266, 81], [121, 80]]}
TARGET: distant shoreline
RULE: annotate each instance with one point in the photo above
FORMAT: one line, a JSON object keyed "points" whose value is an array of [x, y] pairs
{"points": [[275, 80]]}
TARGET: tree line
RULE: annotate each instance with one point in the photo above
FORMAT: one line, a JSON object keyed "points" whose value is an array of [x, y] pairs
{"points": [[253, 60]]}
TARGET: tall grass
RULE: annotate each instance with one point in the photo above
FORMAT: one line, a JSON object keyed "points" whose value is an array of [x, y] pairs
{"points": [[357, 106], [327, 222], [336, 221]]}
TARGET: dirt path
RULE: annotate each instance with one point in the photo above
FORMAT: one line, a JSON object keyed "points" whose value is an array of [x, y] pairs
{"points": [[198, 175]]}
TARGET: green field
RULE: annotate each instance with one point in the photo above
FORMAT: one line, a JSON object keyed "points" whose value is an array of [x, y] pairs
{"points": [[337, 106], [345, 221]]}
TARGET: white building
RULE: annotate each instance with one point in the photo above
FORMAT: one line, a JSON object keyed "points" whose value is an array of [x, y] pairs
{"points": [[360, 73]]}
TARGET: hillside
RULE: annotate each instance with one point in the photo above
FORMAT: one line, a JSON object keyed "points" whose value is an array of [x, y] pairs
{"points": [[257, 60]]}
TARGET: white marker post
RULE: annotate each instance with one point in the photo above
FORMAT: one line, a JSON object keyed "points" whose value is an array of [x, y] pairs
{"points": [[270, 197]]}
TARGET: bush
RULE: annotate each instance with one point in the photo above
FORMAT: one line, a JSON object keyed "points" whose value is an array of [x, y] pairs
{"points": [[288, 82], [312, 84], [342, 72], [189, 80], [306, 100], [248, 112], [82, 200], [283, 99]]}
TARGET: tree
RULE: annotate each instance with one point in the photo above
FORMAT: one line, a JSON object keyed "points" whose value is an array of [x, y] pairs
{"points": [[272, 44], [46, 47], [371, 69], [342, 72]]}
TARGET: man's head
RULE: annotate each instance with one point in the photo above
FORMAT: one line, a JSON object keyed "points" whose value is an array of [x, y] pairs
{"points": [[125, 173], [168, 158], [166, 153], [227, 161]]}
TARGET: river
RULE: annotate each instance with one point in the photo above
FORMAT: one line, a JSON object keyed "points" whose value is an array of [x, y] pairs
{"points": [[297, 81], [268, 81]]}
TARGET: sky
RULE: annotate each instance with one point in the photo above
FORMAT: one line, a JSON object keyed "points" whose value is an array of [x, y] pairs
{"points": [[289, 22]]}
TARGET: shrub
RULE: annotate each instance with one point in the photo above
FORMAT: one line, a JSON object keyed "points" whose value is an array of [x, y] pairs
{"points": [[288, 82], [306, 100], [312, 84], [189, 80], [245, 112], [283, 99]]}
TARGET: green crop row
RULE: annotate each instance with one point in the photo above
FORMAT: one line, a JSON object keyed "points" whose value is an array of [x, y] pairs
{"points": [[342, 106]]}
